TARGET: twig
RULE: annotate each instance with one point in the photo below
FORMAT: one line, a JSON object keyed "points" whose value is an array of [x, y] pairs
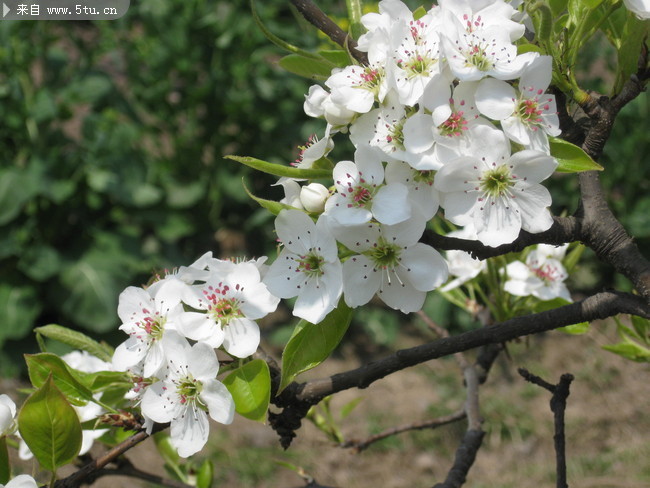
{"points": [[126, 468], [322, 22], [359, 446], [465, 456], [558, 406]]}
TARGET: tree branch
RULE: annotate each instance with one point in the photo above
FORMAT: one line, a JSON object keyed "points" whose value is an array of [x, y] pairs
{"points": [[310, 11], [558, 406], [296, 399]]}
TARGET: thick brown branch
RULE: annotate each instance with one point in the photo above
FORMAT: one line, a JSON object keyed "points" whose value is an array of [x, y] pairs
{"points": [[297, 398], [310, 11], [465, 456]]}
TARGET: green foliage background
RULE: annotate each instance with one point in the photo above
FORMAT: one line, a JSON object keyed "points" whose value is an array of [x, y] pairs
{"points": [[111, 146]]}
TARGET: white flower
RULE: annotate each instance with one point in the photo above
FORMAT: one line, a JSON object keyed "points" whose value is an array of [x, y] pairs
{"points": [[640, 8], [188, 390], [145, 318], [461, 264], [232, 298], [291, 192], [308, 267], [478, 15], [526, 118], [357, 87], [186, 274], [361, 192], [85, 362], [319, 103], [392, 263], [541, 276], [21, 481], [313, 197], [7, 414], [498, 193]]}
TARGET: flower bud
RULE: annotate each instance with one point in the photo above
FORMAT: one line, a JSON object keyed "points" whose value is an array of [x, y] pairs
{"points": [[313, 197]]}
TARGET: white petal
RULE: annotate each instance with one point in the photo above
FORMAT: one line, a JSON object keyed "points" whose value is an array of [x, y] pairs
{"points": [[360, 281], [197, 326], [418, 133], [390, 205], [202, 362], [158, 404], [516, 130], [495, 99], [425, 267], [537, 76], [291, 226], [320, 296], [459, 207], [242, 336], [532, 166], [398, 293], [497, 223], [189, 433], [129, 353], [532, 203], [22, 481], [218, 399]]}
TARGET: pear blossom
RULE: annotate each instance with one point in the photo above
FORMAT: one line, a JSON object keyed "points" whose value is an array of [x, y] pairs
{"points": [[476, 16], [7, 414], [187, 394], [361, 192], [319, 103], [21, 481], [529, 117], [146, 318], [357, 87], [308, 267], [541, 276], [497, 192], [391, 263], [228, 304]]}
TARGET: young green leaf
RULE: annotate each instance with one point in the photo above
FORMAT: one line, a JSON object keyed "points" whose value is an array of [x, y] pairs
{"points": [[279, 169], [337, 57], [314, 69], [271, 205], [250, 387], [630, 350], [41, 366], [50, 426], [311, 344], [205, 475], [77, 340], [571, 158]]}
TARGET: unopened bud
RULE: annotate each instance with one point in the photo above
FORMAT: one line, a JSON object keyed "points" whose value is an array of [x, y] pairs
{"points": [[313, 197]]}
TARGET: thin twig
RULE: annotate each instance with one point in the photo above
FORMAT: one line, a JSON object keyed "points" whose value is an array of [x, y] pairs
{"points": [[359, 446], [560, 393]]}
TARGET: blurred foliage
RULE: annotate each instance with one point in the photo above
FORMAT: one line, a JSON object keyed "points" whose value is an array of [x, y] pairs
{"points": [[112, 141]]}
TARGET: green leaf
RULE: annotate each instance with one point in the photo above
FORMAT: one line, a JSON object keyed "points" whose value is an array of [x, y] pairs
{"points": [[250, 387], [635, 34], [16, 188], [76, 340], [338, 58], [576, 329], [630, 350], [271, 205], [557, 6], [45, 365], [641, 327], [5, 469], [527, 47], [348, 407], [311, 344], [50, 427], [279, 169], [571, 158], [572, 258], [314, 69], [275, 39], [205, 475]]}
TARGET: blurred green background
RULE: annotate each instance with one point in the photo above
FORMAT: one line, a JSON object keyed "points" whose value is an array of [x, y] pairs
{"points": [[112, 138]]}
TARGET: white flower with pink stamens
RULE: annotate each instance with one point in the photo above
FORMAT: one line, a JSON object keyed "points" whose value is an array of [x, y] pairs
{"points": [[540, 276], [361, 192], [230, 302], [146, 318], [358, 87], [527, 118], [188, 393], [308, 267]]}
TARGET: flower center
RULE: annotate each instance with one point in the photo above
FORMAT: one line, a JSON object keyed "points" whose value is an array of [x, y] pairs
{"points": [[384, 254], [548, 273], [221, 307], [153, 325], [417, 65], [454, 125], [529, 111], [495, 182], [426, 176], [371, 79], [477, 57], [188, 389], [301, 154], [395, 135], [311, 264]]}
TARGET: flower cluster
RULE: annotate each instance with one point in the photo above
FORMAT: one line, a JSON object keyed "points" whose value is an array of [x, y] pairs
{"points": [[446, 113], [212, 303]]}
